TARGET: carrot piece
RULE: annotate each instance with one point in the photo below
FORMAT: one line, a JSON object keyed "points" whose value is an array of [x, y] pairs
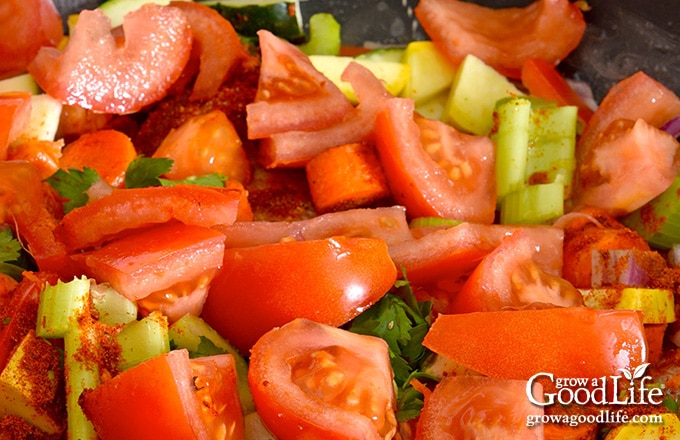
{"points": [[109, 152], [344, 177]]}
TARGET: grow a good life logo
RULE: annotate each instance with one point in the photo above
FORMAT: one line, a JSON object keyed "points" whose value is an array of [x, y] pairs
{"points": [[612, 393]]}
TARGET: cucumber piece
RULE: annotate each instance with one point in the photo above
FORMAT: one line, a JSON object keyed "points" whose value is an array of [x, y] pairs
{"points": [[116, 9], [20, 83], [474, 92], [430, 71], [433, 107], [393, 75], [44, 120], [324, 35], [142, 340], [657, 305], [383, 54], [533, 204], [281, 17]]}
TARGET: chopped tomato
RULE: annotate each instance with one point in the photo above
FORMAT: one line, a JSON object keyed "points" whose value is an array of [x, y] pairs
{"points": [[503, 38], [565, 341], [218, 43], [25, 27], [315, 381], [458, 184], [292, 94], [109, 152], [543, 80], [512, 277], [15, 111], [42, 154], [295, 148], [327, 280], [205, 144], [132, 208], [169, 396], [156, 259], [96, 73], [478, 406]]}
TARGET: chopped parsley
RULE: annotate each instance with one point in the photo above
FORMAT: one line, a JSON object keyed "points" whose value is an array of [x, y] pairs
{"points": [[214, 179], [146, 171], [10, 254], [72, 185]]}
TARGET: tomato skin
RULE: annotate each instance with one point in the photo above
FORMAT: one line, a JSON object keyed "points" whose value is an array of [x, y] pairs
{"points": [[131, 208], [15, 111], [478, 406], [96, 74], [327, 280], [423, 186], [503, 38], [287, 385], [159, 399], [565, 341], [27, 25]]}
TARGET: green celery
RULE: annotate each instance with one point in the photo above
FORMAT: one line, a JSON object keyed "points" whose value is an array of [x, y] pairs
{"points": [[512, 145], [194, 334], [324, 35], [113, 308], [142, 340], [533, 204], [61, 306], [657, 305], [81, 365]]}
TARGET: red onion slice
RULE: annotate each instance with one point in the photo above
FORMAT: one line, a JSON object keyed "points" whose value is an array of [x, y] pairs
{"points": [[672, 127]]}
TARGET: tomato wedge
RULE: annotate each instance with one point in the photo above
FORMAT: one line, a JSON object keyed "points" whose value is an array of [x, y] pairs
{"points": [[512, 277], [478, 406], [292, 94], [565, 341], [503, 38], [169, 396], [95, 73], [466, 191], [131, 208], [328, 280], [15, 111], [27, 25], [315, 381]]}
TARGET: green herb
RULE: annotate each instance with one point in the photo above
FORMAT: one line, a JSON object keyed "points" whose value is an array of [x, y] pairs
{"points": [[672, 404], [72, 185], [10, 254], [213, 179], [402, 322], [146, 171]]}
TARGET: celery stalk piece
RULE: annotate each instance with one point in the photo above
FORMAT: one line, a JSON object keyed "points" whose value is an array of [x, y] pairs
{"points": [[194, 334], [533, 204], [142, 340], [81, 365], [658, 221], [512, 145], [324, 35], [657, 305], [60, 307], [113, 308]]}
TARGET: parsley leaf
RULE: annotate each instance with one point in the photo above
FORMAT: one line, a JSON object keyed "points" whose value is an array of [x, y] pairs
{"points": [[402, 322], [213, 179], [10, 254], [72, 185], [146, 171]]}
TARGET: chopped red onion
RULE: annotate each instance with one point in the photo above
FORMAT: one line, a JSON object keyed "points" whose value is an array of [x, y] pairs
{"points": [[672, 126], [624, 267]]}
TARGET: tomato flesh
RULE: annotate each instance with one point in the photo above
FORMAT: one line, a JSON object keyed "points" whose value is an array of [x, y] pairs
{"points": [[315, 381], [95, 73], [15, 112]]}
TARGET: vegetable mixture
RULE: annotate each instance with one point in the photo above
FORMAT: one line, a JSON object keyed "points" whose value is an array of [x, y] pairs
{"points": [[215, 225]]}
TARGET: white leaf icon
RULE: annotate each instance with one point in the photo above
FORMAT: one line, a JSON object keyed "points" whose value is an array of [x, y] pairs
{"points": [[639, 371], [627, 374]]}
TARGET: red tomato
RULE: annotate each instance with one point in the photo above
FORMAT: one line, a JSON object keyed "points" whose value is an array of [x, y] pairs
{"points": [[458, 184], [328, 280], [127, 209], [44, 155], [96, 73], [26, 26], [476, 407], [205, 144], [565, 341], [543, 80], [503, 38], [315, 381], [15, 112], [218, 43], [155, 259], [512, 277], [295, 148], [291, 94], [169, 396]]}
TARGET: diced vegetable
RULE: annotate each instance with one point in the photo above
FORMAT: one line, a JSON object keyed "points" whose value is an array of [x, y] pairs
{"points": [[657, 305], [659, 426], [533, 204], [113, 308], [282, 18], [116, 9], [142, 340], [61, 305], [324, 35], [430, 72]]}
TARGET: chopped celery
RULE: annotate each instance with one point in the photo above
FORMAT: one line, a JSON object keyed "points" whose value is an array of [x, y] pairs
{"points": [[657, 305], [474, 92], [324, 35], [113, 308], [81, 364], [421, 222], [431, 71], [533, 204], [194, 334], [60, 307], [512, 145], [142, 340], [658, 221]]}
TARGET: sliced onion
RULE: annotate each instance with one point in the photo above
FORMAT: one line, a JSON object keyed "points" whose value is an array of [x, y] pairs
{"points": [[563, 221], [672, 127], [624, 267]]}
